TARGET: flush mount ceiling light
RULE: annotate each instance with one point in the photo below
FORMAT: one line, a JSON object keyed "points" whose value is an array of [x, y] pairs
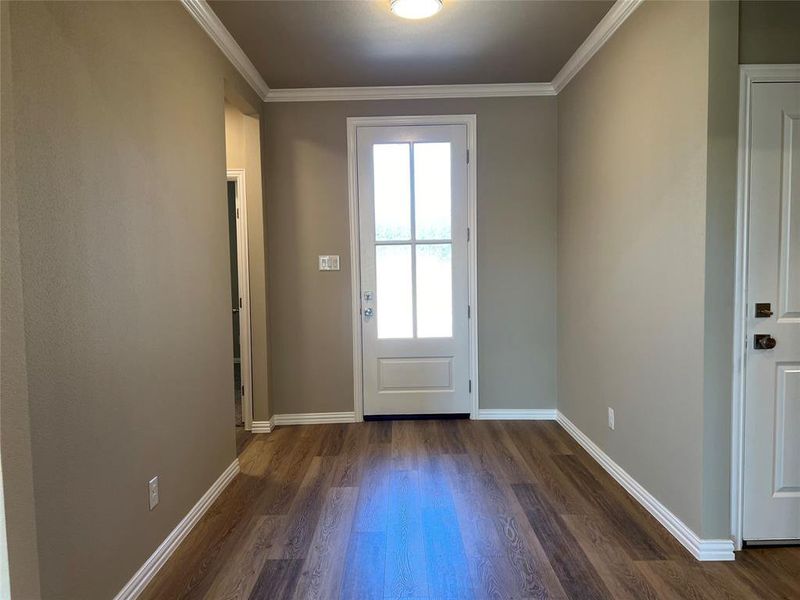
{"points": [[416, 9]]}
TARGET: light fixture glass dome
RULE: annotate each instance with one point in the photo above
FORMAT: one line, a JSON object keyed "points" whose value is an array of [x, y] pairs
{"points": [[416, 9]]}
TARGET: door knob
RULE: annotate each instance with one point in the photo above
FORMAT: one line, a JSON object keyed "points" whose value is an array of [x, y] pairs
{"points": [[764, 341], [235, 310]]}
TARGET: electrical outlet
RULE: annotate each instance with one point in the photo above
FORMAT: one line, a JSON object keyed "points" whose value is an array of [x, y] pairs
{"points": [[152, 487], [610, 418]]}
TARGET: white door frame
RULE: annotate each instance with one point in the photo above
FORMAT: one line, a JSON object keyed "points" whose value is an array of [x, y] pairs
{"points": [[749, 74], [243, 262], [353, 123]]}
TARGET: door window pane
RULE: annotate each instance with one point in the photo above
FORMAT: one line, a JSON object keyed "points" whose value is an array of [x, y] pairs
{"points": [[434, 290], [432, 191], [394, 306], [391, 172]]}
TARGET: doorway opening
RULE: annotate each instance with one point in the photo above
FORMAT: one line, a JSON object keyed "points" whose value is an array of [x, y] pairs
{"points": [[240, 304], [244, 203]]}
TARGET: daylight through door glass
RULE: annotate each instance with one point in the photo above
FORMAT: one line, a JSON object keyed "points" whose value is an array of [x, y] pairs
{"points": [[413, 256], [394, 295], [392, 192], [432, 191], [434, 290]]}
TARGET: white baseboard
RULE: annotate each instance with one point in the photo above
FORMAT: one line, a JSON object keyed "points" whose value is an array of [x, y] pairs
{"points": [[533, 414], [705, 550], [314, 418], [148, 571], [262, 426]]}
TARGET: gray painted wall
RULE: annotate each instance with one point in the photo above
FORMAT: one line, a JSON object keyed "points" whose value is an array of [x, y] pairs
{"points": [[721, 171], [631, 249], [117, 134], [15, 435], [305, 156], [769, 32]]}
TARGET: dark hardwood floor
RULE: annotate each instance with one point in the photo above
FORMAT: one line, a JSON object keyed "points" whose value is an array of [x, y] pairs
{"points": [[443, 509]]}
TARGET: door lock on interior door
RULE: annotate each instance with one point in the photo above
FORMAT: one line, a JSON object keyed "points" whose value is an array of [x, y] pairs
{"points": [[763, 310], [764, 341]]}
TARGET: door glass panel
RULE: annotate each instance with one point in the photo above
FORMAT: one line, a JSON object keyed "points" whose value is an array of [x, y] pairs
{"points": [[434, 290], [394, 305], [391, 172], [432, 191]]}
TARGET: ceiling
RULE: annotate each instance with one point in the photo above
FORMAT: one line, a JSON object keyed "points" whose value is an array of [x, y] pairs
{"points": [[343, 43]]}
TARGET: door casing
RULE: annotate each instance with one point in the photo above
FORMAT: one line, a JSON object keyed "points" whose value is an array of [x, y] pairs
{"points": [[353, 123], [243, 263], [749, 74]]}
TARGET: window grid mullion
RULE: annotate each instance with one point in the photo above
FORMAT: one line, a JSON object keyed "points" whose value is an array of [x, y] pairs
{"points": [[413, 240]]}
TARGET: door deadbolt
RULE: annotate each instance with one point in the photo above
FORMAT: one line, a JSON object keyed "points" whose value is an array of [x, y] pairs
{"points": [[368, 312], [764, 341], [763, 310]]}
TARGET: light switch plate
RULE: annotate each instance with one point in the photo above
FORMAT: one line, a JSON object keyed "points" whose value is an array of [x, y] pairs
{"points": [[328, 262]]}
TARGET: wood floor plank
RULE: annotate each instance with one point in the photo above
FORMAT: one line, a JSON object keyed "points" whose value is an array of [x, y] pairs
{"points": [[364, 567], [448, 433], [293, 540], [508, 534], [405, 570], [426, 509], [550, 480], [633, 538], [347, 472], [373, 491], [620, 574], [321, 575], [446, 564], [282, 483], [380, 432], [332, 439], [774, 569], [674, 580], [574, 571], [405, 448], [238, 577], [278, 579]]}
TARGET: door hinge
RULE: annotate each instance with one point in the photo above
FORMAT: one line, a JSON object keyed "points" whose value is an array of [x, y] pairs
{"points": [[469, 311], [240, 303], [237, 213], [467, 233], [242, 391], [467, 155], [470, 386]]}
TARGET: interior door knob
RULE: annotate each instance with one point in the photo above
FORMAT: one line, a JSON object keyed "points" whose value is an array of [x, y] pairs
{"points": [[764, 341]]}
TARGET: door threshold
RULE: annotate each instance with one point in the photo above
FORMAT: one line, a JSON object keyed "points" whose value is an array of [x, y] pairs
{"points": [[440, 416], [770, 543]]}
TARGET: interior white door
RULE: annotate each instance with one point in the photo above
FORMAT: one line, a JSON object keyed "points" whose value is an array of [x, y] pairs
{"points": [[772, 392], [412, 195]]}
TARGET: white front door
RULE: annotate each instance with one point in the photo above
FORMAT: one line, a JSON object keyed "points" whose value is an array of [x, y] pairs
{"points": [[772, 392], [412, 197]]}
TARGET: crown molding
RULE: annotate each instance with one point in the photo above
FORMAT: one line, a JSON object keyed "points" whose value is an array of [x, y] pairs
{"points": [[616, 16], [209, 21], [410, 92], [211, 24]]}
